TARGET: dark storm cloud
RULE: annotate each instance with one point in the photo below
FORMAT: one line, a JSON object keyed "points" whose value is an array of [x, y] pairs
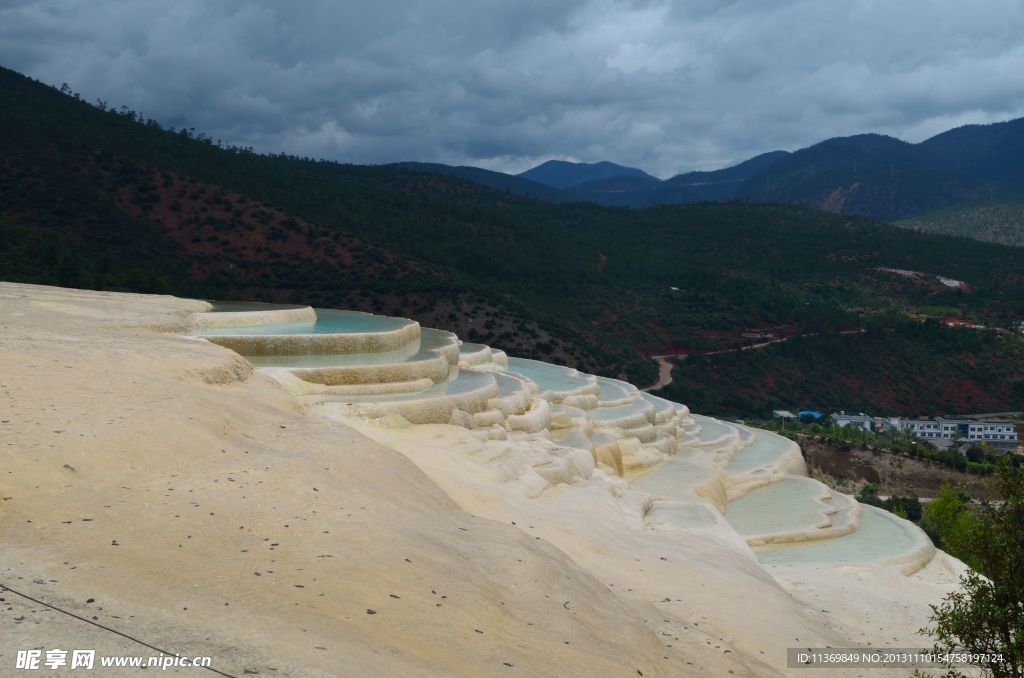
{"points": [[667, 86]]}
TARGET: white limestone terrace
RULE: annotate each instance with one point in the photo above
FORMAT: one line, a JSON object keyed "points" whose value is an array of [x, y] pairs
{"points": [[237, 314], [471, 355], [792, 510], [680, 472], [881, 539], [329, 332], [526, 527], [431, 359]]}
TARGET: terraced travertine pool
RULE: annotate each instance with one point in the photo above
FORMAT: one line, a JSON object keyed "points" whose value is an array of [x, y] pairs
{"points": [[613, 390], [711, 429], [673, 479], [467, 380], [250, 306], [788, 505], [766, 448], [508, 385], [660, 404], [880, 536], [430, 341], [608, 413], [328, 321], [548, 377]]}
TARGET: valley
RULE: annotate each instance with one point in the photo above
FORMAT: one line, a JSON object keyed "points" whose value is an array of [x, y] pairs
{"points": [[100, 199]]}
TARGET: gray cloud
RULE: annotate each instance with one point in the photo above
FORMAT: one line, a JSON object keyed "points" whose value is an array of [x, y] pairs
{"points": [[504, 84]]}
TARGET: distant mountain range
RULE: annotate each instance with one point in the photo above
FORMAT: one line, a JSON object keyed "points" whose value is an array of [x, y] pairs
{"points": [[967, 168], [566, 175], [509, 183], [885, 178]]}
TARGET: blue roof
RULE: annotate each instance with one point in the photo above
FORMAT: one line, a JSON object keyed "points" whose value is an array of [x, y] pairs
{"points": [[810, 413]]}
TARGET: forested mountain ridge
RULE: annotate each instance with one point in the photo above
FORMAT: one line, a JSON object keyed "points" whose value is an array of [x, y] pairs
{"points": [[565, 175], [999, 222], [864, 174], [98, 198], [967, 168]]}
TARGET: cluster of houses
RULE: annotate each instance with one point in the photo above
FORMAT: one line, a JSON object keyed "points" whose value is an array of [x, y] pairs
{"points": [[942, 432]]}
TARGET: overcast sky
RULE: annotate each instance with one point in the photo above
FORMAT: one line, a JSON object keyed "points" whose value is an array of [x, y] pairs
{"points": [[505, 84]]}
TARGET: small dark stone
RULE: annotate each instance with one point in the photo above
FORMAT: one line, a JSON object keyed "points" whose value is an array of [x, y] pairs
{"points": [[369, 611]]}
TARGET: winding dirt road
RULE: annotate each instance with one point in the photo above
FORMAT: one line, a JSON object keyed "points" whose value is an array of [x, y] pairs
{"points": [[665, 367], [664, 370]]}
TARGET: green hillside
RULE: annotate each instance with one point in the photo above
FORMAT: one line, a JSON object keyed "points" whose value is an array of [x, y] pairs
{"points": [[999, 222], [126, 204], [867, 174], [902, 368]]}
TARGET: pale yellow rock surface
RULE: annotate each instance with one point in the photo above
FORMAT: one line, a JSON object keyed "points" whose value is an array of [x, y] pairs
{"points": [[250, 532], [209, 512], [705, 582]]}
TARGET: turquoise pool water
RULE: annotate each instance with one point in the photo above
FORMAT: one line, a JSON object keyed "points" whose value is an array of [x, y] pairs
{"points": [[660, 404], [766, 448], [711, 429], [548, 377], [673, 479], [329, 321], [612, 390], [467, 380], [788, 505], [608, 413], [880, 536], [427, 349], [508, 385]]}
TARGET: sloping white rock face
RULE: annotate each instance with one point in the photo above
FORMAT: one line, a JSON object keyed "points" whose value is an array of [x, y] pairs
{"points": [[714, 523], [160, 486]]}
